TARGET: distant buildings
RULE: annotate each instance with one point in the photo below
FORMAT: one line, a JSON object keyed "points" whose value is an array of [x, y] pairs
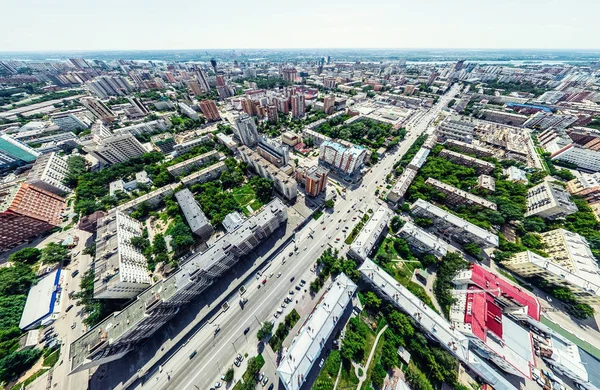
{"points": [[314, 179], [301, 356], [457, 128], [245, 129], [107, 86], [289, 74], [549, 200], [98, 109], [120, 267], [453, 227], [505, 117], [586, 186], [194, 216], [342, 159], [27, 211], [48, 173], [209, 110], [14, 153], [545, 120], [372, 232]]}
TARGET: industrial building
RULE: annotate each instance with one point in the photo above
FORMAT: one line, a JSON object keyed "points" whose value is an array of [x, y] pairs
{"points": [[43, 302], [121, 270], [14, 153], [298, 360], [549, 200], [194, 216], [452, 226], [123, 331]]}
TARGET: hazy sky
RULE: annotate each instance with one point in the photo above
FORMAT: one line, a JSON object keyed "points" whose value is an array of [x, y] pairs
{"points": [[200, 24]]}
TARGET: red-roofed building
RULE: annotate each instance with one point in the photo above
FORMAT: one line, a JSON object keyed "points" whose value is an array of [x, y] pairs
{"points": [[489, 310]]}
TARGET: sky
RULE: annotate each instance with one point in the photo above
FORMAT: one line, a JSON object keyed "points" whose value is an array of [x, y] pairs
{"points": [[42, 25]]}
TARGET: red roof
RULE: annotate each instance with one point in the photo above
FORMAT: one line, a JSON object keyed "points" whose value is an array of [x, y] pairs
{"points": [[487, 280], [483, 314]]}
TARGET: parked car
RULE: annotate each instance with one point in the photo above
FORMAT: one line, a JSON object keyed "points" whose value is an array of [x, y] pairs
{"points": [[74, 273], [69, 307]]}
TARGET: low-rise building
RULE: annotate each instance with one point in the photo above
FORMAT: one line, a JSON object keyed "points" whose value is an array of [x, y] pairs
{"points": [[209, 173], [464, 147], [227, 141], [486, 182], [452, 226], [121, 270], [456, 196], [505, 117], [186, 146], [549, 200], [298, 360], [401, 186], [517, 175], [456, 127], [48, 173], [419, 159], [372, 232], [152, 198], [423, 242], [461, 159], [43, 302], [164, 142], [187, 165], [291, 139], [197, 221], [587, 186]]}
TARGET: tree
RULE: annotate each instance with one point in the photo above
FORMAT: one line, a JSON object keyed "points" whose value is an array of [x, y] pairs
{"points": [[581, 311], [229, 375], [396, 223], [400, 324], [181, 236], [372, 302], [265, 331], [17, 362], [26, 255], [472, 249], [329, 203], [263, 188], [76, 166], [54, 253], [428, 260], [254, 366]]}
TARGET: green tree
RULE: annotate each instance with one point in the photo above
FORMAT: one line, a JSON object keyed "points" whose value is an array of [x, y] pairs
{"points": [[26, 255], [54, 253], [182, 237], [372, 302], [16, 279], [265, 331], [329, 203], [472, 249], [229, 375], [396, 223], [263, 188], [17, 362]]}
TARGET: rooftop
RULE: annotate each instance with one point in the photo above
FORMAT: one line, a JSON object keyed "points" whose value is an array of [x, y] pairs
{"points": [[42, 300], [371, 231]]}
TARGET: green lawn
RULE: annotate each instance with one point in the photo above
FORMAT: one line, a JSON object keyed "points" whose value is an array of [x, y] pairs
{"points": [[245, 196], [348, 379], [328, 374]]}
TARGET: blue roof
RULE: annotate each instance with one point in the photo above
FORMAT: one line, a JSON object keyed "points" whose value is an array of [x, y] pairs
{"points": [[543, 108]]}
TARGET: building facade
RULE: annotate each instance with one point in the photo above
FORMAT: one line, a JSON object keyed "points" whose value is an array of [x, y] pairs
{"points": [[48, 173]]}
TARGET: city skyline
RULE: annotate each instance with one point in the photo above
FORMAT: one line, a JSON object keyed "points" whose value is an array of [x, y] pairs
{"points": [[383, 24]]}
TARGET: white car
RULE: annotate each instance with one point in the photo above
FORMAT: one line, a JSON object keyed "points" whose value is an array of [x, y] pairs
{"points": [[217, 385]]}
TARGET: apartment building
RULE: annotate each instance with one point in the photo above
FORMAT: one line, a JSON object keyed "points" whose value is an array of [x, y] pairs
{"points": [[48, 173], [273, 151], [314, 179], [456, 196], [423, 242], [456, 127], [419, 159], [402, 184], [347, 160], [245, 130], [482, 167], [152, 198], [371, 234], [487, 183], [298, 105], [121, 270], [194, 216], [464, 147], [584, 158], [191, 163], [188, 111], [283, 183], [114, 149], [453, 227], [209, 110], [125, 330], [549, 200], [186, 146], [587, 186], [27, 211], [209, 173]]}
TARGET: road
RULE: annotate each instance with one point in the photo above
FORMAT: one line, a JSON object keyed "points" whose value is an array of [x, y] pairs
{"points": [[215, 352]]}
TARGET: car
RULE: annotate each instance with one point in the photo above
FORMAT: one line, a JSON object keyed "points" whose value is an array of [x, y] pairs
{"points": [[292, 279], [322, 245], [237, 363], [264, 281], [73, 325], [76, 254], [279, 311], [321, 363], [275, 315], [291, 254], [74, 273], [69, 307], [265, 381], [193, 354], [217, 385], [271, 386], [243, 301], [240, 357], [247, 330], [217, 329], [323, 229], [261, 376], [271, 275], [279, 275], [298, 288], [48, 330], [284, 305], [287, 300], [302, 282], [337, 239], [291, 292]]}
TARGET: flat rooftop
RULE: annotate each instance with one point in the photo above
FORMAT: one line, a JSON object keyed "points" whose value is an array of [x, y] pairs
{"points": [[42, 300]]}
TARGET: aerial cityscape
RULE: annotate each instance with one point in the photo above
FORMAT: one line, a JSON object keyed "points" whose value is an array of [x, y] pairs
{"points": [[237, 217]]}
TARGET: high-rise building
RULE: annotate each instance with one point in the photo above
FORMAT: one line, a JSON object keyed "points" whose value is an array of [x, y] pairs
{"points": [[224, 91], [298, 105], [282, 104], [273, 151], [245, 129], [314, 179], [27, 211], [209, 109], [329, 82], [138, 105], [220, 81], [98, 109], [14, 153], [549, 200], [283, 183], [329, 104], [114, 149], [341, 158], [194, 86], [120, 267], [289, 74], [48, 173], [248, 107], [203, 80], [272, 113]]}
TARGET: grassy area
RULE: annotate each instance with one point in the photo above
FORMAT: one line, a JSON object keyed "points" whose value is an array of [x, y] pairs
{"points": [[387, 249], [370, 340], [403, 272], [348, 379], [328, 375], [51, 359], [30, 380], [589, 348], [245, 196], [354, 233], [374, 362]]}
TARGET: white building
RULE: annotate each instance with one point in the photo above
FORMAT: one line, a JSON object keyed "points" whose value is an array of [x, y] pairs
{"points": [[188, 111], [114, 149], [584, 158], [121, 270], [401, 186], [197, 221], [549, 200], [298, 360], [48, 173], [374, 230], [422, 241], [458, 128], [244, 128]]}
